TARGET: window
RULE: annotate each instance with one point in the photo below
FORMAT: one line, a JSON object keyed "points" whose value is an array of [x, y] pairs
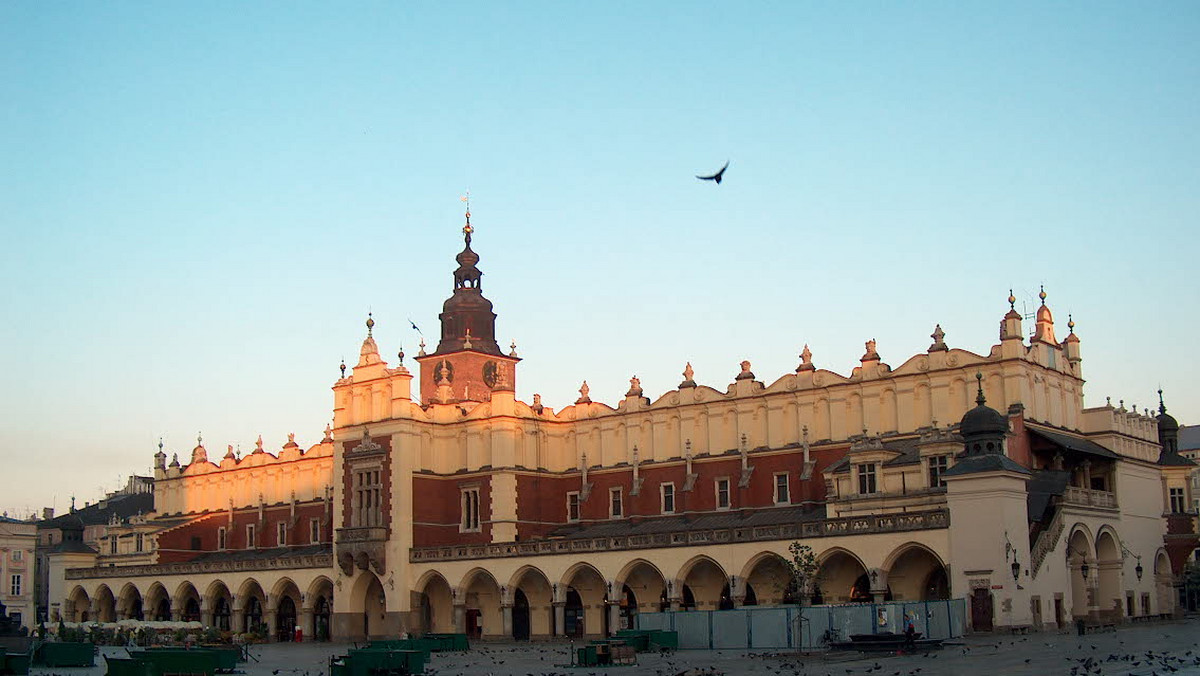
{"points": [[15, 586], [139, 542], [314, 530], [112, 544], [368, 498], [782, 495], [615, 509], [722, 493], [470, 510], [250, 536], [196, 543], [221, 538], [16, 555], [1177, 503], [937, 467], [668, 498], [281, 533], [573, 506], [866, 478]]}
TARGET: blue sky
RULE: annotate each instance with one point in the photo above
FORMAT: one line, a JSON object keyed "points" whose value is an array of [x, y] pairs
{"points": [[200, 202]]}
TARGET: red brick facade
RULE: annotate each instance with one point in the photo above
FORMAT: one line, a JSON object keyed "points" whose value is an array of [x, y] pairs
{"points": [[201, 535]]}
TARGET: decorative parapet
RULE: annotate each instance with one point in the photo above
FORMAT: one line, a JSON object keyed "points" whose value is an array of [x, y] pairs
{"points": [[367, 534], [323, 560], [1084, 497], [859, 525]]}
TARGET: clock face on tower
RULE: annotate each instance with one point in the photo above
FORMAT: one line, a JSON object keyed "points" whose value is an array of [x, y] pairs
{"points": [[490, 371]]}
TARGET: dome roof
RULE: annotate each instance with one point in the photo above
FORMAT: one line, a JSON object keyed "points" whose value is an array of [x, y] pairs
{"points": [[982, 420], [1167, 422]]}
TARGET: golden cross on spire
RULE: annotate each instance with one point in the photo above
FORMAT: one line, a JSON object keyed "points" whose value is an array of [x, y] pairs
{"points": [[466, 199]]}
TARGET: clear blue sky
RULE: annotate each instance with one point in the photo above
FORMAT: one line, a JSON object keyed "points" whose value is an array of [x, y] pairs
{"points": [[201, 201]]}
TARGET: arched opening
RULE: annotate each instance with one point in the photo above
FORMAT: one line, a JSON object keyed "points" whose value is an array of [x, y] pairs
{"points": [[842, 578], [287, 601], [80, 606], [220, 602], [628, 608], [520, 616], [1081, 564], [437, 605], [187, 599], [1109, 564], [726, 601], [646, 586], [707, 582], [253, 602], [768, 581], [222, 614], [1163, 583], [374, 607], [917, 574], [573, 616], [861, 591], [156, 604], [106, 605], [687, 599], [129, 606], [285, 620], [539, 596], [320, 600], [484, 616], [591, 592], [751, 598], [191, 610]]}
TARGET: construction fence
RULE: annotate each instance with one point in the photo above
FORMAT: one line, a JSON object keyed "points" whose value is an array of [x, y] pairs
{"points": [[806, 627]]}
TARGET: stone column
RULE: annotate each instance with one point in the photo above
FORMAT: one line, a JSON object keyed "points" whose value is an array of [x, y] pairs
{"points": [[614, 617], [176, 610], [460, 618], [506, 611], [269, 620], [237, 620], [1087, 474], [560, 618], [737, 591], [308, 623]]}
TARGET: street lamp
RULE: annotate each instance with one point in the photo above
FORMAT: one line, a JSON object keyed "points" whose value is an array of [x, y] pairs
{"points": [[1016, 568], [1083, 569], [1139, 570]]}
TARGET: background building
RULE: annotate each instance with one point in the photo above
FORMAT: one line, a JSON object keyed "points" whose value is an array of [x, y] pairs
{"points": [[18, 569]]}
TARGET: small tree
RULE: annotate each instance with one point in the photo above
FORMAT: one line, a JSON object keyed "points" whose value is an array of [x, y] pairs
{"points": [[803, 568]]}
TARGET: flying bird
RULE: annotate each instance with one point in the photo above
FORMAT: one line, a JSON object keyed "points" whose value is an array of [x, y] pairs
{"points": [[414, 325], [717, 176]]}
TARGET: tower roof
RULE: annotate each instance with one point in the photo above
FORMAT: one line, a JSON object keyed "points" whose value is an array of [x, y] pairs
{"points": [[983, 419], [467, 311]]}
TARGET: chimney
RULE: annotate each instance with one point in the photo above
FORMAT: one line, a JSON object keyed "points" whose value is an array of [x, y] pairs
{"points": [[47, 513]]}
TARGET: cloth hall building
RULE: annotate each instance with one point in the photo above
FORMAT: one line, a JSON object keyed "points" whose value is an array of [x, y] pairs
{"points": [[446, 504]]}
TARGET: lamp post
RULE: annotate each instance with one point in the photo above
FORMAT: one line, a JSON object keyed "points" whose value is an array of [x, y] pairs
{"points": [[1139, 570], [1016, 569], [1083, 569]]}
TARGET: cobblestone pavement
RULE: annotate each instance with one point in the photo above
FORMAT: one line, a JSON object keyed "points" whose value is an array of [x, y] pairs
{"points": [[1168, 649]]}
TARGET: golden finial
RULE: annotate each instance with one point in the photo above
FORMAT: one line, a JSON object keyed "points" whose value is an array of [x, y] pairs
{"points": [[1071, 323], [370, 324], [1012, 300], [1042, 294]]}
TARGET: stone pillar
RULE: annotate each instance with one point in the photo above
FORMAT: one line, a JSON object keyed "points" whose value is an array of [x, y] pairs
{"points": [[176, 610], [206, 617], [614, 617], [1087, 474], [269, 620], [460, 618], [506, 611], [237, 620], [737, 591], [308, 623], [560, 618]]}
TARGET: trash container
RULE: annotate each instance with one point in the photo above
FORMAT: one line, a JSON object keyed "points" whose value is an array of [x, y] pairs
{"points": [[1080, 626]]}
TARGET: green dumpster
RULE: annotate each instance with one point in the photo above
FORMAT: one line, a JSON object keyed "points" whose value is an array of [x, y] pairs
{"points": [[128, 666], [368, 661], [664, 640], [16, 664], [179, 661], [64, 654], [638, 638]]}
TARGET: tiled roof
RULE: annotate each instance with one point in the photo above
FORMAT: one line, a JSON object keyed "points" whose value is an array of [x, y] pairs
{"points": [[122, 506], [1073, 443], [1189, 437]]}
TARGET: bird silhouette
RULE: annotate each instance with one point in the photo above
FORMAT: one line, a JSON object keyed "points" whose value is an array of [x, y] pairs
{"points": [[717, 176]]}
